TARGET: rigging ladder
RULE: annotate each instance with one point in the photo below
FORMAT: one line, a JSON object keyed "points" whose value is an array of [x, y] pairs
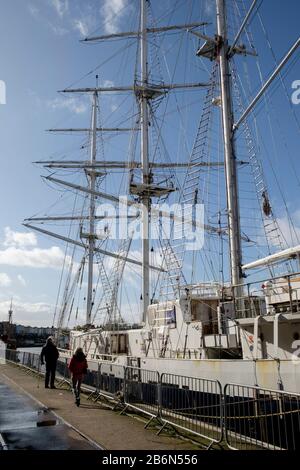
{"points": [[174, 253]]}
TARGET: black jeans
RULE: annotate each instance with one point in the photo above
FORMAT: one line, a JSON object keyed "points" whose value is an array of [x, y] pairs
{"points": [[50, 374], [76, 386]]}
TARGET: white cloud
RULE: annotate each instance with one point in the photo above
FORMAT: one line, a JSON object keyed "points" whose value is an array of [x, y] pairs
{"points": [[82, 26], [28, 313], [35, 258], [108, 83], [209, 8], [112, 100], [34, 11], [112, 12], [60, 6], [75, 105], [57, 30], [290, 233], [19, 239], [21, 280], [5, 280]]}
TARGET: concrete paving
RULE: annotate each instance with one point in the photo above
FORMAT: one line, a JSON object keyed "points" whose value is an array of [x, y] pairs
{"points": [[26, 425], [108, 428]]}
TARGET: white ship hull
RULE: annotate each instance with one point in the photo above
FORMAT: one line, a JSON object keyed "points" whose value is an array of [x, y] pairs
{"points": [[262, 348]]}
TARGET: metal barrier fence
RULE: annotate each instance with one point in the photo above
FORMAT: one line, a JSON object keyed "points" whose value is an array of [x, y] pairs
{"points": [[192, 404], [11, 355], [248, 417], [142, 390], [257, 417], [111, 380], [26, 359], [62, 372], [91, 378]]}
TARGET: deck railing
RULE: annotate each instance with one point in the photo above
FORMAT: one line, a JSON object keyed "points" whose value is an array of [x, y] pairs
{"points": [[279, 294]]}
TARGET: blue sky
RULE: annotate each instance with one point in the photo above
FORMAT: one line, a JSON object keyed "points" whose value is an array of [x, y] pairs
{"points": [[40, 53]]}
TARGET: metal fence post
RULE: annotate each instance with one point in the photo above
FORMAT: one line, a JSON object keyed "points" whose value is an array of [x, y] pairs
{"points": [[222, 411], [125, 385], [159, 396], [65, 369], [98, 378]]}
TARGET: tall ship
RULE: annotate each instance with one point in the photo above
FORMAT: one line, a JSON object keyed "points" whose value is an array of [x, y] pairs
{"points": [[176, 260]]}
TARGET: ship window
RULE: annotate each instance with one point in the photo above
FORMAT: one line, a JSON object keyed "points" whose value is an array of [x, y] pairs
{"points": [[196, 310], [119, 343], [170, 317], [162, 316]]}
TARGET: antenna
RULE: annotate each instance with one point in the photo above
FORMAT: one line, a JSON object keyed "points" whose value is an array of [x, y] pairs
{"points": [[10, 312]]}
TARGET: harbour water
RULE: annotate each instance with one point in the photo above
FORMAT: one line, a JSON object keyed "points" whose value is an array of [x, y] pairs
{"points": [[34, 350]]}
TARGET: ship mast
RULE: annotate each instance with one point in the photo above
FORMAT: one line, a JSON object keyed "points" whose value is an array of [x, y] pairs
{"points": [[145, 200], [233, 211], [91, 235]]}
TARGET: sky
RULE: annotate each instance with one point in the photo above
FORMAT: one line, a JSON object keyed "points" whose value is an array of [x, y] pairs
{"points": [[40, 53]]}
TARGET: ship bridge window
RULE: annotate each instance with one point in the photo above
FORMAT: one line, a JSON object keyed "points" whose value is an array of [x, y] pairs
{"points": [[196, 310], [170, 317], [162, 316], [205, 311], [119, 343]]}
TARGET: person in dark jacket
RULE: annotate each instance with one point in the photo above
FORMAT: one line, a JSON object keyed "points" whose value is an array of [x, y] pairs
{"points": [[78, 367], [49, 355]]}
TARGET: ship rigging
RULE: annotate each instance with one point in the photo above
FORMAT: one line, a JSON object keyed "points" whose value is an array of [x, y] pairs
{"points": [[225, 315]]}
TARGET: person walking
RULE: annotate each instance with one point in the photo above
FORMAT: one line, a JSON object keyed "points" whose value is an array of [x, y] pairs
{"points": [[78, 367], [49, 354]]}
